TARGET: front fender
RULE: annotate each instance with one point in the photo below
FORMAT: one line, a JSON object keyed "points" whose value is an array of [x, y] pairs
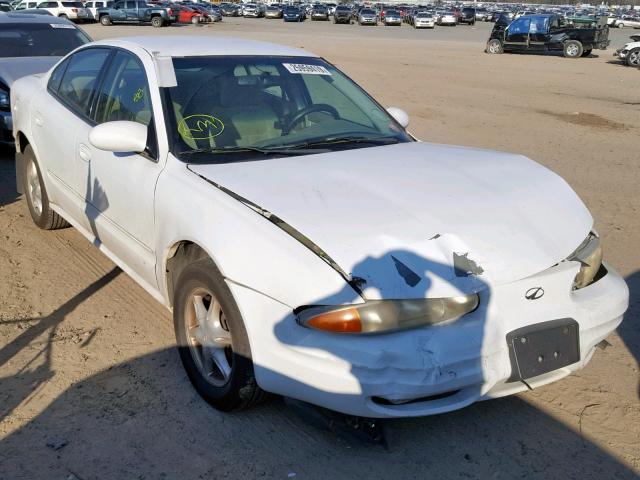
{"points": [[248, 249]]}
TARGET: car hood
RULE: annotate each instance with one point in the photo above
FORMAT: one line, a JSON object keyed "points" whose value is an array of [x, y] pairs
{"points": [[11, 69], [416, 219]]}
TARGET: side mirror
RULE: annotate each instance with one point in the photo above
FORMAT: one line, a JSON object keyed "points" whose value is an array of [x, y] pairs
{"points": [[119, 136], [399, 115]]}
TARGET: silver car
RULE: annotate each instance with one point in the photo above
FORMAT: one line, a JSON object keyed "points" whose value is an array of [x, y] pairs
{"points": [[392, 17], [367, 16]]}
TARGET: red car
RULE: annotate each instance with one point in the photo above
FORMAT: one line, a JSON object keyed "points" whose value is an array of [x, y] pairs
{"points": [[188, 15]]}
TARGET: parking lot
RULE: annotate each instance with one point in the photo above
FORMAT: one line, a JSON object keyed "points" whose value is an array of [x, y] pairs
{"points": [[90, 384]]}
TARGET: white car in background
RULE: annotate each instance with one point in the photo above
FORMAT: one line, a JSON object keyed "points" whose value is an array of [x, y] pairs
{"points": [[93, 6], [448, 18], [24, 5], [74, 11], [424, 20], [305, 242], [630, 52]]}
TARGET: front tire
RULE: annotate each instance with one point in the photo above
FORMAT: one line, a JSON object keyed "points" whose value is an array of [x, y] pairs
{"points": [[494, 47], [573, 49], [36, 194], [633, 58], [212, 339], [105, 20]]}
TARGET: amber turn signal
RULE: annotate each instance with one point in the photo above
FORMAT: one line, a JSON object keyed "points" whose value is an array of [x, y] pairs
{"points": [[342, 321]]}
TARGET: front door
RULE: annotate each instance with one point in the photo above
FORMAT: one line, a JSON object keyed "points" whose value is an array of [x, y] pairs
{"points": [[119, 188], [517, 34]]}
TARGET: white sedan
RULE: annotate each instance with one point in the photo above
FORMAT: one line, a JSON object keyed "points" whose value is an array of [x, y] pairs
{"points": [[424, 20], [305, 242]]}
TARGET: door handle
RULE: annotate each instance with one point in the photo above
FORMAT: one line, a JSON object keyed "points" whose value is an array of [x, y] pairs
{"points": [[37, 118], [84, 153]]}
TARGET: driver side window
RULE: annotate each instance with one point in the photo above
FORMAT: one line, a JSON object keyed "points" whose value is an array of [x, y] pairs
{"points": [[520, 26]]}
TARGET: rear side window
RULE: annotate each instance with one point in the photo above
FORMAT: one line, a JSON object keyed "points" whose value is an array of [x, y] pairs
{"points": [[79, 80], [56, 77]]}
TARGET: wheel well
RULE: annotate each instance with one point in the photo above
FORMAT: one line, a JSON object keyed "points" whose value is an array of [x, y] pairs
{"points": [[180, 255], [22, 142]]}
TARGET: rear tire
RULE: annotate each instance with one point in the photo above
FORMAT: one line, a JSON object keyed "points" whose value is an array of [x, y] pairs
{"points": [[62, 15], [620, 25], [633, 58], [36, 194], [201, 285], [105, 20], [573, 49], [157, 22]]}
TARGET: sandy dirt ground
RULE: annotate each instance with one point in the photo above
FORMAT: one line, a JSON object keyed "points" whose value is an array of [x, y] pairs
{"points": [[90, 387]]}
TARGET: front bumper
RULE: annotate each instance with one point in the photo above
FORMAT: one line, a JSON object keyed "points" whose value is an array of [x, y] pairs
{"points": [[429, 370], [621, 54], [368, 21], [6, 128]]}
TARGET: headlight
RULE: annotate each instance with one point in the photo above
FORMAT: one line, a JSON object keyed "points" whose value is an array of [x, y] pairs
{"points": [[4, 97], [384, 315], [589, 254]]}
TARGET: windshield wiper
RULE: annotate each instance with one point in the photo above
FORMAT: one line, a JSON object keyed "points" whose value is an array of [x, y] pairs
{"points": [[386, 140], [238, 149]]}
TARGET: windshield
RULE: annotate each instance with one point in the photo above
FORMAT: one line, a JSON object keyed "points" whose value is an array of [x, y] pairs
{"points": [[39, 39], [290, 105]]}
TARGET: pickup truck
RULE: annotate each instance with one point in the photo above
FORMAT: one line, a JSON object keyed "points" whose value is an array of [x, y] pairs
{"points": [[546, 33], [134, 11]]}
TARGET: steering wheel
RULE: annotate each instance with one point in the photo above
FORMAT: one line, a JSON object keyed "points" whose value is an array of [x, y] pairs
{"points": [[300, 114]]}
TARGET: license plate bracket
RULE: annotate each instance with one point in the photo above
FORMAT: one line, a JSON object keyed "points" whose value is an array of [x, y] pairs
{"points": [[543, 347]]}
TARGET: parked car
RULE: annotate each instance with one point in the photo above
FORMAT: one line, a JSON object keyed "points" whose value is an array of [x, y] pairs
{"points": [[273, 11], [628, 21], [26, 4], [424, 20], [630, 52], [30, 44], [392, 17], [291, 13], [367, 16], [5, 6], [93, 6], [276, 289], [467, 15], [342, 14], [253, 10], [547, 33], [448, 18], [134, 11], [230, 9], [74, 11], [482, 15], [319, 12], [212, 10], [187, 14]]}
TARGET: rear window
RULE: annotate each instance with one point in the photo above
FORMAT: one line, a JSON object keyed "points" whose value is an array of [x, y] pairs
{"points": [[39, 39]]}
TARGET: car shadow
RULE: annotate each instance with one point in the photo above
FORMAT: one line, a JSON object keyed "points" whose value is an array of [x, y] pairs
{"points": [[8, 192], [141, 419], [629, 330]]}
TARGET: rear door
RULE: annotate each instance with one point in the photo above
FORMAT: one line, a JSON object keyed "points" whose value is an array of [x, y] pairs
{"points": [[539, 33], [58, 114]]}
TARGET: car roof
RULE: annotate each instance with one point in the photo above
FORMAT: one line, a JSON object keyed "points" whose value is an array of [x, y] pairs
{"points": [[201, 45], [14, 17]]}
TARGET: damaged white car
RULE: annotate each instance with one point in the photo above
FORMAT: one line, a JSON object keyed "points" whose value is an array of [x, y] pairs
{"points": [[306, 243]]}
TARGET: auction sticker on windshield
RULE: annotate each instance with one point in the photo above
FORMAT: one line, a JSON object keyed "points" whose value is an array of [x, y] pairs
{"points": [[306, 69]]}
